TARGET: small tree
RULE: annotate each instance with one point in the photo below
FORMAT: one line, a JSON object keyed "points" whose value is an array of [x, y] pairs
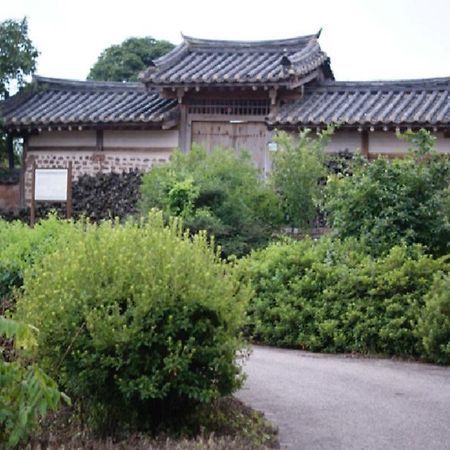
{"points": [[296, 170], [388, 202]]}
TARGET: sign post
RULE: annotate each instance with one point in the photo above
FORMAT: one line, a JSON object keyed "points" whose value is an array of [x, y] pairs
{"points": [[51, 185]]}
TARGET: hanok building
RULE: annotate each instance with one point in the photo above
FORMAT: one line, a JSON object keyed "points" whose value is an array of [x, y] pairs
{"points": [[231, 94]]}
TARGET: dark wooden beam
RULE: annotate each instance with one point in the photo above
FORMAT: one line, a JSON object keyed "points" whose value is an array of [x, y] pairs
{"points": [[365, 143], [99, 143], [10, 150]]}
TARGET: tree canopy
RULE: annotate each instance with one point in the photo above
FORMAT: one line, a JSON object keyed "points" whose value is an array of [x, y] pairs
{"points": [[123, 62], [17, 54], [17, 60]]}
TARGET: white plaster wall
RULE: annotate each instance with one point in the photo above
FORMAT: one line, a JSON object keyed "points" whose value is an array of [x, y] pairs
{"points": [[140, 139], [442, 143], [387, 142], [344, 140], [73, 138]]}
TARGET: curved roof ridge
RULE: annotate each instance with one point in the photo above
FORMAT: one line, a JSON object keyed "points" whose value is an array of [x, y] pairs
{"points": [[63, 83], [389, 81], [174, 68], [298, 40]]}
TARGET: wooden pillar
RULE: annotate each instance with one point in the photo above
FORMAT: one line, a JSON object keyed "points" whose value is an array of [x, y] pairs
{"points": [[365, 143], [23, 171], [69, 192], [99, 143], [10, 150], [184, 144], [33, 195]]}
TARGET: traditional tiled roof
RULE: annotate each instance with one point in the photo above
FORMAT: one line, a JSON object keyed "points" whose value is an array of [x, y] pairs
{"points": [[386, 103], [56, 102], [209, 62]]}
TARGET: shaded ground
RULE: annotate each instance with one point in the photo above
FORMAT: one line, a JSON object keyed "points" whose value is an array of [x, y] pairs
{"points": [[226, 424], [335, 402]]}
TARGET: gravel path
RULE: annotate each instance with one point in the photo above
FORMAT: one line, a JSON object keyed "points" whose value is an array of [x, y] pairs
{"points": [[335, 402]]}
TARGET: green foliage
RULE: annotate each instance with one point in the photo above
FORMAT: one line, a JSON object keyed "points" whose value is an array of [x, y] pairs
{"points": [[332, 296], [21, 247], [388, 202], [125, 61], [26, 393], [296, 170], [17, 60], [138, 322], [434, 325], [220, 192], [17, 54]]}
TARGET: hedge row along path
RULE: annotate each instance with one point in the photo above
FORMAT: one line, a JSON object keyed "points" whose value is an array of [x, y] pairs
{"points": [[331, 402]]}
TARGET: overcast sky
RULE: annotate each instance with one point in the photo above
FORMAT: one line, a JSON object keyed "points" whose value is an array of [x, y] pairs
{"points": [[365, 39]]}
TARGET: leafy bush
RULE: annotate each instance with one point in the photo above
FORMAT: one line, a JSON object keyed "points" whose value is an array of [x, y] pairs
{"points": [[389, 202], [296, 171], [434, 325], [138, 322], [21, 247], [331, 296], [220, 192], [26, 393]]}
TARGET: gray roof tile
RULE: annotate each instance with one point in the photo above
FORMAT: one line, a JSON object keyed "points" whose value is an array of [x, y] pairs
{"points": [[404, 102], [201, 61], [55, 102]]}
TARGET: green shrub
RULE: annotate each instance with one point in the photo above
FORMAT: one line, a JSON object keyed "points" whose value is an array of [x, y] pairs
{"points": [[297, 168], [139, 323], [221, 192], [389, 202], [434, 325], [26, 393], [22, 246], [331, 296]]}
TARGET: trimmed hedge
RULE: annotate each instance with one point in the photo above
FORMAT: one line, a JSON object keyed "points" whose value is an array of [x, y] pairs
{"points": [[331, 296], [138, 323]]}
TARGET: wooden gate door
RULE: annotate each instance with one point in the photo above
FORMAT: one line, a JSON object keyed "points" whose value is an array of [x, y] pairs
{"points": [[250, 136]]}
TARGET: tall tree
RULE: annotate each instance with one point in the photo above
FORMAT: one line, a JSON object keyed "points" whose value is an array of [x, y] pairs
{"points": [[17, 55], [17, 60], [123, 62]]}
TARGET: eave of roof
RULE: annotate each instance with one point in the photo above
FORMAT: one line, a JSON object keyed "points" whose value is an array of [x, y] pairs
{"points": [[212, 62], [424, 102], [63, 103]]}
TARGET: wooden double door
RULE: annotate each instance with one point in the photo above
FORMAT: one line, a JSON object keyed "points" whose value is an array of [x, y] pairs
{"points": [[250, 136]]}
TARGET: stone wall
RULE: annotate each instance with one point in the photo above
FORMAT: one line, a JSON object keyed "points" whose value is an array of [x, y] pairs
{"points": [[89, 162], [119, 151]]}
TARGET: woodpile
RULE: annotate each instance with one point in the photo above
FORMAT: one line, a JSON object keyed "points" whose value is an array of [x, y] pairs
{"points": [[98, 197]]}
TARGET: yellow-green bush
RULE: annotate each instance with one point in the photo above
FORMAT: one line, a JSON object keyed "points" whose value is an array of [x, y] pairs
{"points": [[138, 322], [332, 296], [22, 246], [434, 324]]}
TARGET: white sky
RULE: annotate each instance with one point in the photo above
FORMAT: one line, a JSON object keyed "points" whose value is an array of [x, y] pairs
{"points": [[366, 39]]}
